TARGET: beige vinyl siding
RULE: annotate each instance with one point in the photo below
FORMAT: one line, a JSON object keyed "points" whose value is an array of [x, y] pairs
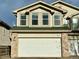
{"points": [[5, 36]]}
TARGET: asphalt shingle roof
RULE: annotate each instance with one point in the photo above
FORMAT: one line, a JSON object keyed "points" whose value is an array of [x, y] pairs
{"points": [[2, 23]]}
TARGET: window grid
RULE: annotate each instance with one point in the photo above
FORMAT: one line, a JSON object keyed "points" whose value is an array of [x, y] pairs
{"points": [[57, 18], [23, 19], [23, 16], [34, 18], [22, 22], [45, 18]]}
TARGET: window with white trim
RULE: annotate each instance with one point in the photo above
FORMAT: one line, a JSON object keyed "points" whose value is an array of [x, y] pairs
{"points": [[45, 18], [75, 22], [23, 19], [57, 19], [34, 18]]}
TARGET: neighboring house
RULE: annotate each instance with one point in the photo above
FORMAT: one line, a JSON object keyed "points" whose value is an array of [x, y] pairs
{"points": [[4, 39], [44, 30]]}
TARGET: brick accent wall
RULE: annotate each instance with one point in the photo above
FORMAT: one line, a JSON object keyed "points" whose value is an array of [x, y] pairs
{"points": [[14, 44], [65, 45]]}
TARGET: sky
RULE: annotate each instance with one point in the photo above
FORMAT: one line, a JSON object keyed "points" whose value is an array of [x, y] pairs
{"points": [[8, 6]]}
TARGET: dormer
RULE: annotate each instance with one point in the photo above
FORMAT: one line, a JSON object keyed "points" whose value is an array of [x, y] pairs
{"points": [[39, 14]]}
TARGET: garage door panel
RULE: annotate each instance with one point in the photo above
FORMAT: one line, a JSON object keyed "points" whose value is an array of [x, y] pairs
{"points": [[39, 47]]}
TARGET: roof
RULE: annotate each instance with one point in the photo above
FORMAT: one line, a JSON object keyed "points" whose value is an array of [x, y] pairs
{"points": [[75, 15], [39, 28], [2, 23], [43, 29], [37, 3], [67, 4]]}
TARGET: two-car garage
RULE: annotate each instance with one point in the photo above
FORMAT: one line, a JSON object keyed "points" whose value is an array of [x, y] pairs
{"points": [[39, 45]]}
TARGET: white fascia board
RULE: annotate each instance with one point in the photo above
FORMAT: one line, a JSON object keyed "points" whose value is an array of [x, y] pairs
{"points": [[29, 6]]}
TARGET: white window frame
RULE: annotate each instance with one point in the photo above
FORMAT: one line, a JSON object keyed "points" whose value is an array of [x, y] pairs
{"points": [[43, 19], [60, 20], [75, 21], [37, 19], [27, 17], [40, 20]]}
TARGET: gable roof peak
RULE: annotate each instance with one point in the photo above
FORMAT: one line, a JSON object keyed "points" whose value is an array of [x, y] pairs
{"points": [[58, 1], [38, 1], [66, 4]]}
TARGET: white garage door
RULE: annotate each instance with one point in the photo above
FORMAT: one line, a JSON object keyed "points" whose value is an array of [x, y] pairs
{"points": [[39, 47]]}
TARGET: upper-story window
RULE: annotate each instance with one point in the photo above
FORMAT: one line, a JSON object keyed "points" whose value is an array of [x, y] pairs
{"points": [[34, 18], [57, 19], [23, 19], [45, 18], [75, 21]]}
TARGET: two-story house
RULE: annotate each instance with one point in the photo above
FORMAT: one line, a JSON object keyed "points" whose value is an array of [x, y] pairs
{"points": [[46, 30], [5, 45]]}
